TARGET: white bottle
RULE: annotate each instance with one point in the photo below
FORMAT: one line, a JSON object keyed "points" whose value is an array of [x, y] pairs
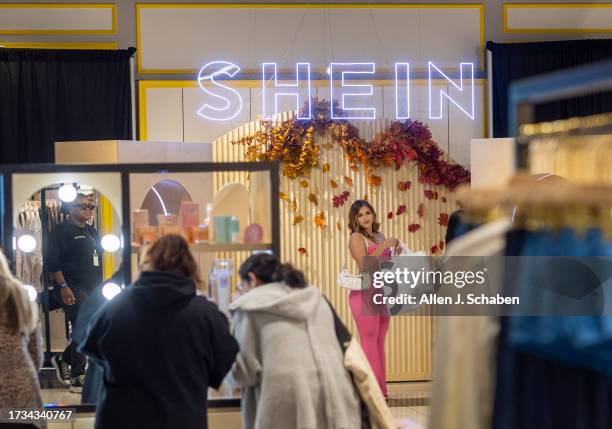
{"points": [[220, 288]]}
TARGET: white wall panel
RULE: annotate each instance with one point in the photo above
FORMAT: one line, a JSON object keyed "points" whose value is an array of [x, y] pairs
{"points": [[53, 19], [375, 100], [196, 34], [461, 128], [164, 112], [557, 17], [198, 129], [419, 110], [171, 114], [285, 104]]}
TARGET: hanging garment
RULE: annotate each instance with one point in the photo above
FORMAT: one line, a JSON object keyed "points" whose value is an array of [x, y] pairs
{"points": [[29, 266], [536, 390], [464, 354], [553, 287]]}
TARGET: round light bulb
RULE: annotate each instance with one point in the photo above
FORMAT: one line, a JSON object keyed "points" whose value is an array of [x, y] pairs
{"points": [[110, 290], [26, 243], [67, 193], [110, 243], [32, 294]]}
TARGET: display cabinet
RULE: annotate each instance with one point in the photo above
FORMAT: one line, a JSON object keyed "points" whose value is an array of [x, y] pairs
{"points": [[133, 205]]}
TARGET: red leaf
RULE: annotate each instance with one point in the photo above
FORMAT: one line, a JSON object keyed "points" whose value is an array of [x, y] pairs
{"points": [[434, 249], [413, 227], [390, 215], [430, 195], [302, 250], [443, 219], [421, 210], [339, 200], [401, 210]]}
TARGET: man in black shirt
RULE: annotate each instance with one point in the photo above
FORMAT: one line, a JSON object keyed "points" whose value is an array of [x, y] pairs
{"points": [[75, 259]]}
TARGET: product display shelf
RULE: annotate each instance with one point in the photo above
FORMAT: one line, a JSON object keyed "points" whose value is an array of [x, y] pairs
{"points": [[219, 247]]}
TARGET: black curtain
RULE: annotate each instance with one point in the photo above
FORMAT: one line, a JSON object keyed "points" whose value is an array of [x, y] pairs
{"points": [[61, 95], [512, 61]]}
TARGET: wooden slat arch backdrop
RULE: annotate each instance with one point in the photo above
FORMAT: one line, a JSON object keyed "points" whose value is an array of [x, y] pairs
{"points": [[409, 341]]}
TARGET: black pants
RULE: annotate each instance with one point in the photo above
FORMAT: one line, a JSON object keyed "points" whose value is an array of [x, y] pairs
{"points": [[71, 356]]}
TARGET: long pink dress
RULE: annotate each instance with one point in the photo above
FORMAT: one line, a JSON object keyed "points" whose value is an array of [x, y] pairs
{"points": [[372, 324]]}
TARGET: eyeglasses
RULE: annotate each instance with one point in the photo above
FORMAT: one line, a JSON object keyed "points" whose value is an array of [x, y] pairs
{"points": [[86, 206]]}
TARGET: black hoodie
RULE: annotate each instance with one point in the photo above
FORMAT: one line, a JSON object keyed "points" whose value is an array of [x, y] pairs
{"points": [[161, 346]]}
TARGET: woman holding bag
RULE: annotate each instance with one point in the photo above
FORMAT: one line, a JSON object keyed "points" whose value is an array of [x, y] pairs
{"points": [[372, 320]]}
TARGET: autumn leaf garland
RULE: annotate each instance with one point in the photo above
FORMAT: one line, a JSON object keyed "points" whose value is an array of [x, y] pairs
{"points": [[293, 143]]}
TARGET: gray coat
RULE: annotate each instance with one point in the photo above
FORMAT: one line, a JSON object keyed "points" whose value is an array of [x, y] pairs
{"points": [[290, 365]]}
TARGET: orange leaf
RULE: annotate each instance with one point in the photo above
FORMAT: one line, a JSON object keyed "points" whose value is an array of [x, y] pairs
{"points": [[365, 197], [325, 167], [375, 180], [390, 215], [404, 186], [348, 180], [328, 146], [319, 220], [283, 196], [304, 183], [333, 184], [441, 245], [293, 205], [298, 219], [338, 226], [313, 199]]}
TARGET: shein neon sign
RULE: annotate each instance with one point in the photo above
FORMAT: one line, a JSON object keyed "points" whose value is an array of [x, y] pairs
{"points": [[225, 103]]}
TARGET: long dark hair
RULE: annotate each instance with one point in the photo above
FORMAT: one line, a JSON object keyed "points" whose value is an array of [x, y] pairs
{"points": [[354, 224], [171, 253], [268, 269]]}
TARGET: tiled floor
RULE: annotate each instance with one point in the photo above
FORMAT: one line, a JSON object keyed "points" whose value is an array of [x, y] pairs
{"points": [[409, 402]]}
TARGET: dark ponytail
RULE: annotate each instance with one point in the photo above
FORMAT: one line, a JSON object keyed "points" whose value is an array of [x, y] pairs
{"points": [[268, 269], [291, 276]]}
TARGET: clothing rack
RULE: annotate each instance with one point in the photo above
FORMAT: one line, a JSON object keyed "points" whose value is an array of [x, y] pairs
{"points": [[525, 94], [45, 226]]}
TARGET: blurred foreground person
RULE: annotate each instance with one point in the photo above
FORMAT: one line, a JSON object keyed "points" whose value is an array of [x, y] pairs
{"points": [[290, 364], [161, 345], [20, 352]]}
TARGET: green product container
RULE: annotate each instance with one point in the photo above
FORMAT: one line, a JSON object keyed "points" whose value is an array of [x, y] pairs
{"points": [[234, 229], [222, 229]]}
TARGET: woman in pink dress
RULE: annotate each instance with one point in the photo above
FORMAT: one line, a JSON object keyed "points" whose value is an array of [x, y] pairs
{"points": [[372, 320]]}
